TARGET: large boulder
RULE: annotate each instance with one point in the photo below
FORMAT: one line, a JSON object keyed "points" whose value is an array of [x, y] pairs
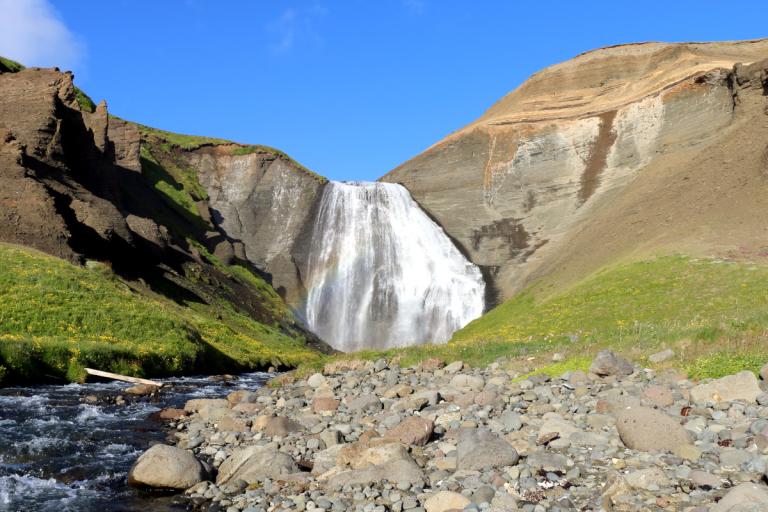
{"points": [[371, 453], [412, 430], [281, 426], [649, 430], [166, 467], [742, 386], [747, 497], [482, 449], [607, 363], [255, 463]]}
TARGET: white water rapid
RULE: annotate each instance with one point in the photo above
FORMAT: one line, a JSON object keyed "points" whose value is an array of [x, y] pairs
{"points": [[382, 274]]}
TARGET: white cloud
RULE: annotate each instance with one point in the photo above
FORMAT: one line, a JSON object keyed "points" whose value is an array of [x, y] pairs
{"points": [[294, 26], [33, 34]]}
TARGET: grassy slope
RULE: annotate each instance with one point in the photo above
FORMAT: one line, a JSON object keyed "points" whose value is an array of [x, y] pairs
{"points": [[56, 318], [713, 313]]}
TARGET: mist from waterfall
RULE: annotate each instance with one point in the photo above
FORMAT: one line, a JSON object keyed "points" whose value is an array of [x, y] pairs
{"points": [[382, 274]]}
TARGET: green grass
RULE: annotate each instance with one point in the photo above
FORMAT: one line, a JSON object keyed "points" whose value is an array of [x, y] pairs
{"points": [[57, 318], [176, 188], [187, 142], [85, 102], [10, 65], [714, 314]]}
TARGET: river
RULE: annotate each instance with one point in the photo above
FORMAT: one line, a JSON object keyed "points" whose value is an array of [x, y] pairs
{"points": [[59, 453]]}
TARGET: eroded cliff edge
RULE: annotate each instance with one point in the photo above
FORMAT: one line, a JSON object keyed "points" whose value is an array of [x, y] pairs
{"points": [[617, 151]]}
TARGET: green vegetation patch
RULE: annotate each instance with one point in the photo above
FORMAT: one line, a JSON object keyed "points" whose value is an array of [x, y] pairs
{"points": [[188, 142], [85, 102], [178, 189], [712, 313], [10, 66], [57, 318]]}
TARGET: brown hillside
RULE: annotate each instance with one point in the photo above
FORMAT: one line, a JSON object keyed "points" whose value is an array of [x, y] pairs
{"points": [[617, 152]]}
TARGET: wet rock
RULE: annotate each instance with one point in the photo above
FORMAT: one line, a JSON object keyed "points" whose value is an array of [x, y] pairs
{"points": [[142, 390], [242, 396], [197, 404], [166, 467], [171, 414]]}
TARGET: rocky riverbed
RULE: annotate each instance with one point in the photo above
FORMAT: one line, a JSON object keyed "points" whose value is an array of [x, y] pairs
{"points": [[375, 437]]}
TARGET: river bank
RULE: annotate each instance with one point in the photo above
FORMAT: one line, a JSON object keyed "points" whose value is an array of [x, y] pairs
{"points": [[69, 447], [373, 436]]}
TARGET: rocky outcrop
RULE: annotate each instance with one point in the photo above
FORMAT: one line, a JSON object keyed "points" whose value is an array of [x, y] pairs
{"points": [[265, 200], [567, 171]]}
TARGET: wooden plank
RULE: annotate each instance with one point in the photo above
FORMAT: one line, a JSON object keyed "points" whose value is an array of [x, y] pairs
{"points": [[125, 378]]}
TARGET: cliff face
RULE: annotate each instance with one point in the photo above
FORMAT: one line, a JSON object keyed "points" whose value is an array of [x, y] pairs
{"points": [[567, 172], [82, 185], [265, 200]]}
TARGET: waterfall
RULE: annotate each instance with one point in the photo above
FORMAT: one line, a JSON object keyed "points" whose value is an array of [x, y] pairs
{"points": [[382, 274]]}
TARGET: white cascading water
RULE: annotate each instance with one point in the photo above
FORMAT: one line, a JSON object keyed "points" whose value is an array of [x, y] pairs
{"points": [[382, 274]]}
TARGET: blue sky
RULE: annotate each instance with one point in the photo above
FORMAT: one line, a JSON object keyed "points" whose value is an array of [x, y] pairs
{"points": [[350, 89]]}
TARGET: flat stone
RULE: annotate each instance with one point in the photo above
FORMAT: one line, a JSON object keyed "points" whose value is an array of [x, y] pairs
{"points": [[367, 403], [660, 396], [468, 382], [445, 501], [741, 495], [253, 464], [325, 404], [648, 479], [548, 461], [412, 430], [281, 426], [397, 471], [646, 429], [741, 386], [706, 480]]}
